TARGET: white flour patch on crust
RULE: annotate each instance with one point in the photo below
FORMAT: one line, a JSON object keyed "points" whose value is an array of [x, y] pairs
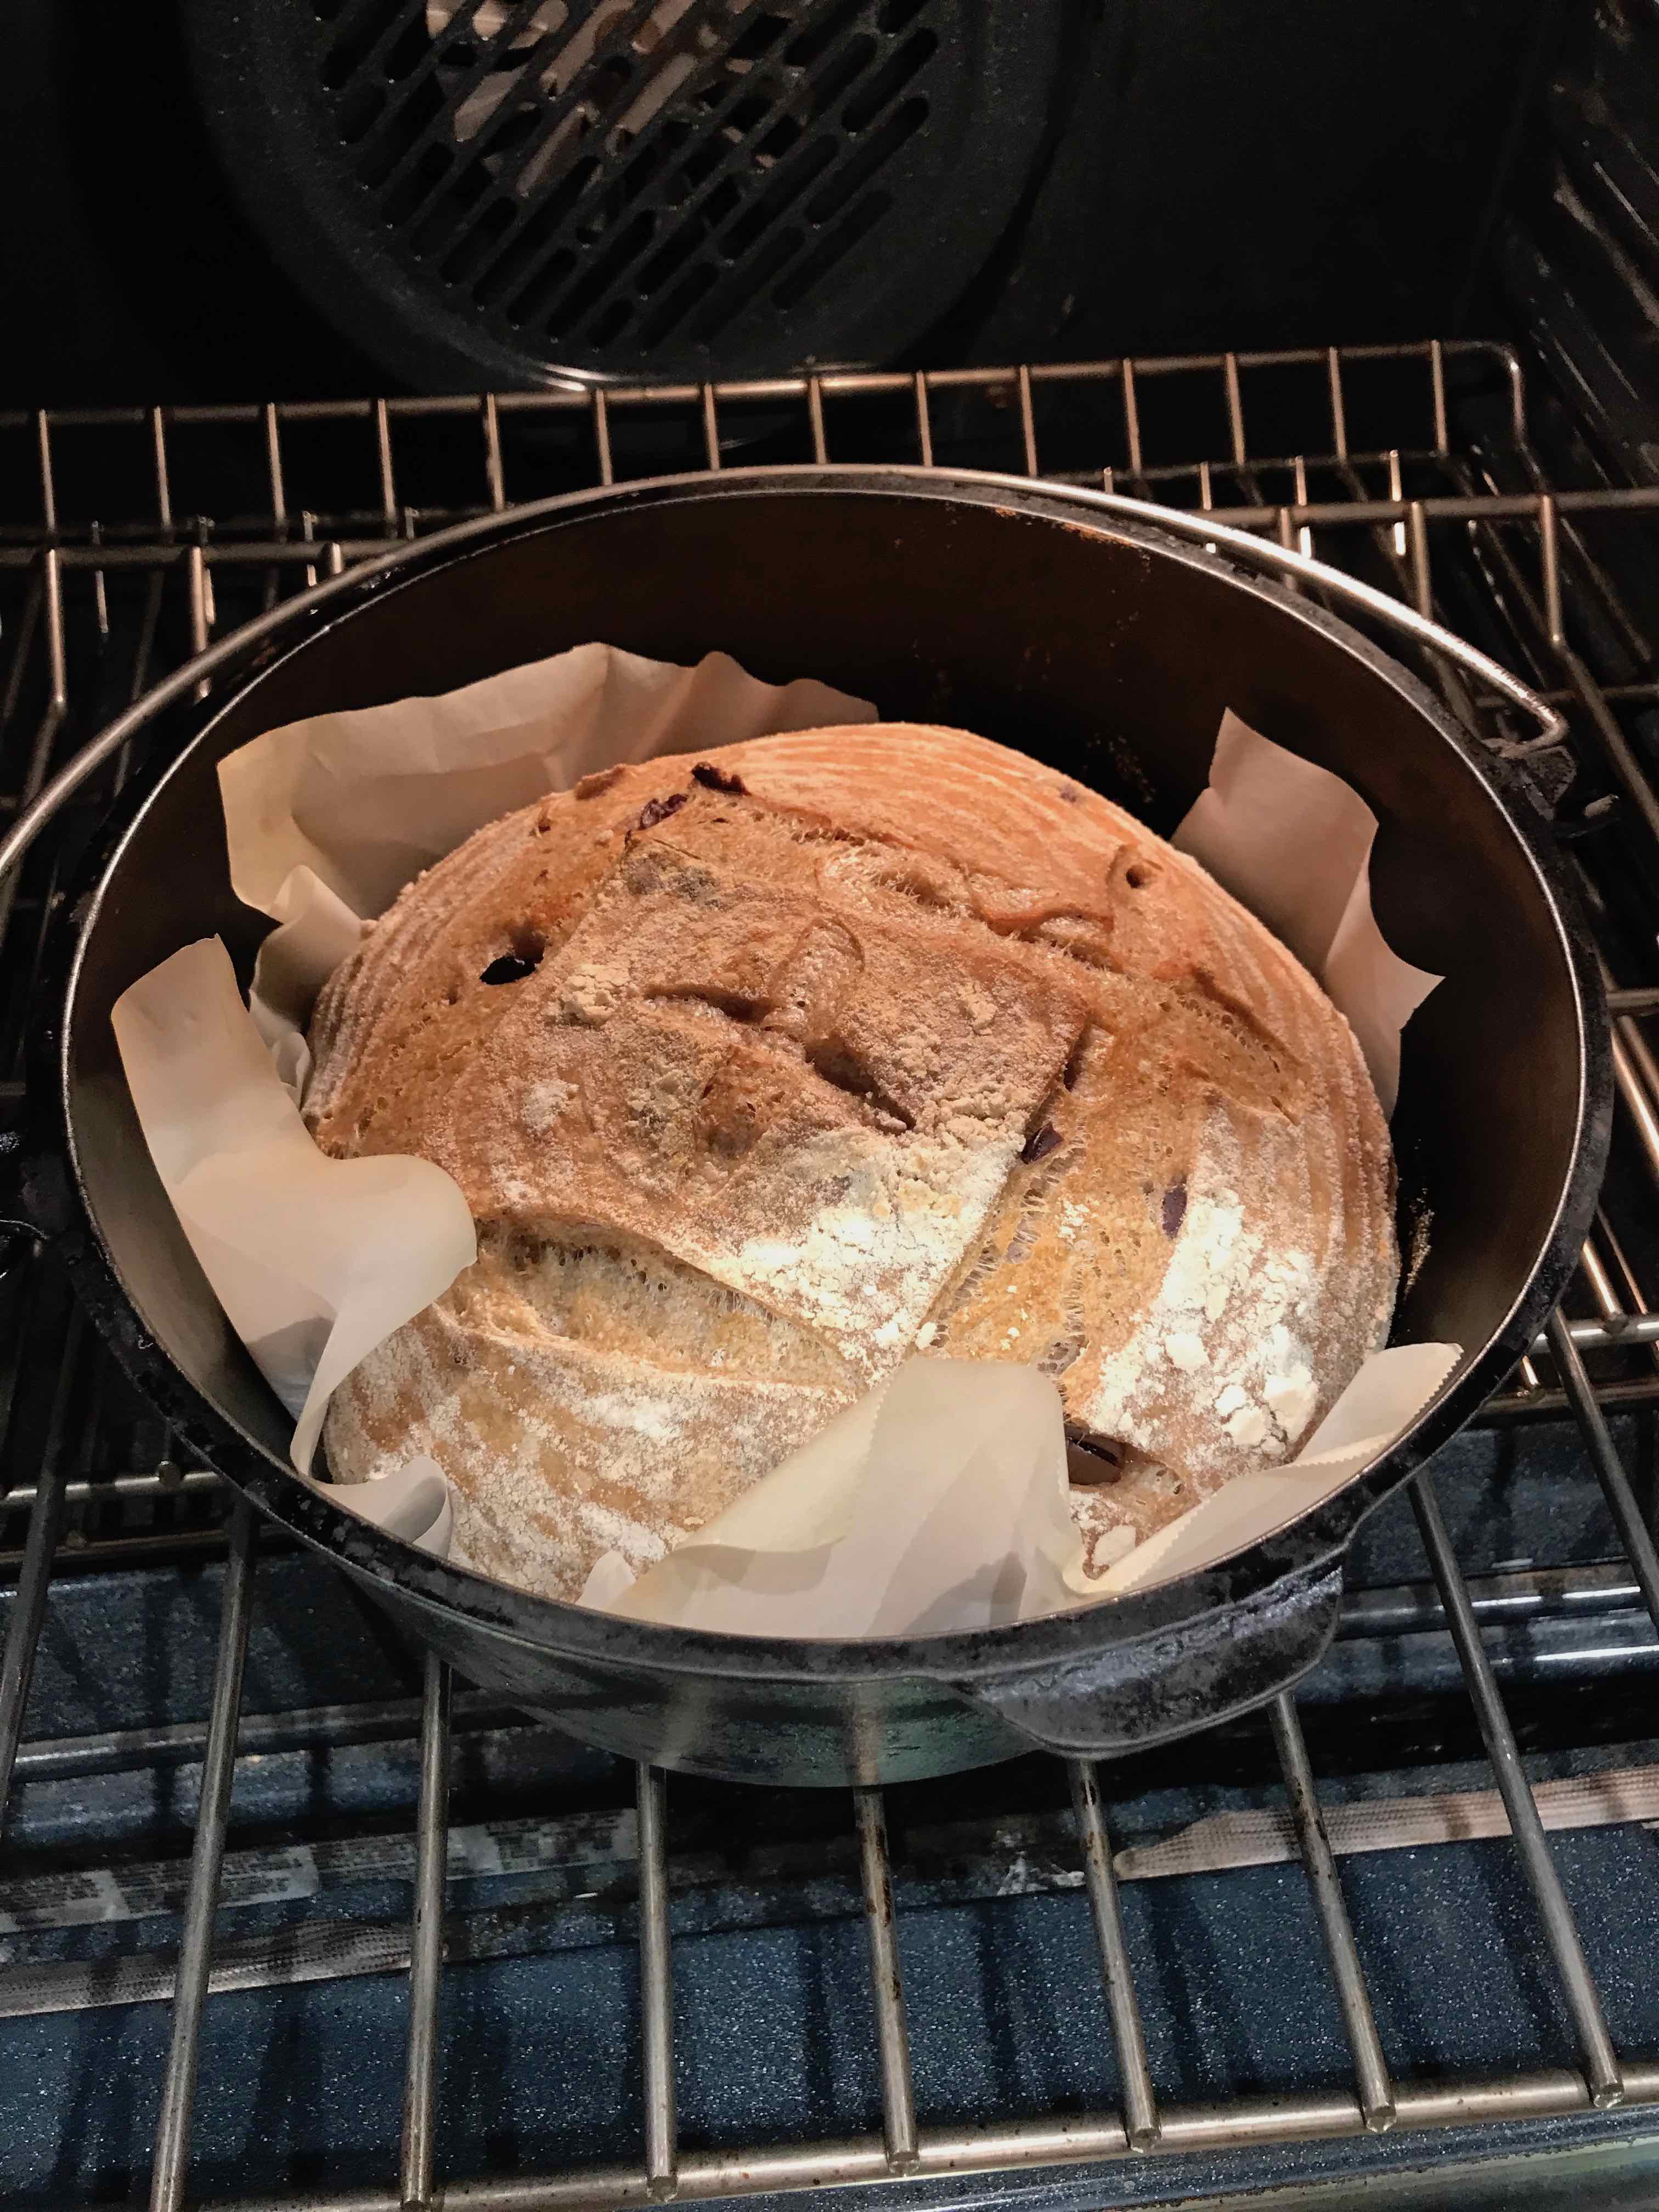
{"points": [[1226, 1305], [902, 1218], [543, 1102]]}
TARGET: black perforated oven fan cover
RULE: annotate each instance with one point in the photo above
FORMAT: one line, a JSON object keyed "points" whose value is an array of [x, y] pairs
{"points": [[497, 192]]}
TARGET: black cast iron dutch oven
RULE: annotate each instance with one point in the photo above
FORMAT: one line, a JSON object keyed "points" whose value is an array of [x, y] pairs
{"points": [[1090, 632]]}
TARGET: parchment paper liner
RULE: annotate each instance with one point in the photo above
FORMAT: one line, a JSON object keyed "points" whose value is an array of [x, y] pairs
{"points": [[939, 1499]]}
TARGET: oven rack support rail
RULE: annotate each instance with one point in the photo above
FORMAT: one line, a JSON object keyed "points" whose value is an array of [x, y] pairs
{"points": [[1533, 547]]}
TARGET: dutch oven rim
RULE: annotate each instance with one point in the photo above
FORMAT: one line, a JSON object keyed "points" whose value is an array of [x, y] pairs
{"points": [[1283, 1560]]}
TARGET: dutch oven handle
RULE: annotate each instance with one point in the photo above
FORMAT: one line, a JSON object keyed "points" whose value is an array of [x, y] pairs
{"points": [[1131, 1696], [1359, 598]]}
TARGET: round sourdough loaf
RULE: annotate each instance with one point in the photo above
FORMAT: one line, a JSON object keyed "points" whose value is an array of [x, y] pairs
{"points": [[761, 1069]]}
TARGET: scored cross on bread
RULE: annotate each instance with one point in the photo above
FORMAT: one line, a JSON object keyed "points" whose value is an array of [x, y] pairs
{"points": [[760, 1068]]}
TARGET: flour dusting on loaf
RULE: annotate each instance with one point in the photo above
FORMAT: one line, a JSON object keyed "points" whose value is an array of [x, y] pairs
{"points": [[761, 1067]]}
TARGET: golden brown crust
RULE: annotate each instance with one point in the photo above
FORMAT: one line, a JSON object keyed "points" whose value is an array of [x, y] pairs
{"points": [[844, 1039]]}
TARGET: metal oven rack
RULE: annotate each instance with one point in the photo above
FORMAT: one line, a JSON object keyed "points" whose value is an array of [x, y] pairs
{"points": [[193, 518]]}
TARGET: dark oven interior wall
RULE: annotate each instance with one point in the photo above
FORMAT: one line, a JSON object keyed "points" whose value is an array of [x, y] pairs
{"points": [[1278, 174], [1575, 253], [1281, 175]]}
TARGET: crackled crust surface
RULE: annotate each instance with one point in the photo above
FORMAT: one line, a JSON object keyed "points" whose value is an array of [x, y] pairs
{"points": [[760, 1067]]}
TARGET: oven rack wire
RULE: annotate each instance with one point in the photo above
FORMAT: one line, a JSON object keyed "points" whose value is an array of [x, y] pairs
{"points": [[1466, 528]]}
